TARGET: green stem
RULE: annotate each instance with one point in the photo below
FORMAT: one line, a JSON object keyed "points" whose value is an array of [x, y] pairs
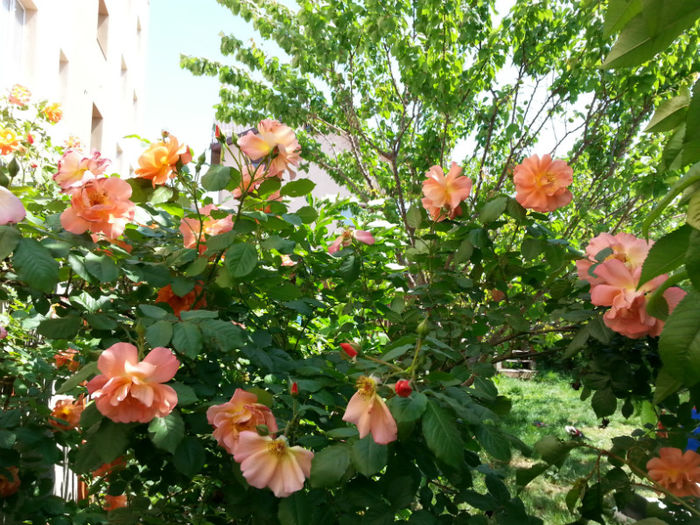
{"points": [[414, 363]]}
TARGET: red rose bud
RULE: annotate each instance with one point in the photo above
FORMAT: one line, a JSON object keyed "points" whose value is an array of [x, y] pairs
{"points": [[349, 349], [294, 390], [30, 138], [403, 388], [219, 136], [186, 157]]}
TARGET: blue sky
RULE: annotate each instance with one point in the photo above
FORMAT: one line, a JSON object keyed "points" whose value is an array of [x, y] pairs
{"points": [[176, 100]]}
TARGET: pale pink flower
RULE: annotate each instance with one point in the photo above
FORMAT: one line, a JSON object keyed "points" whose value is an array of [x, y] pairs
{"points": [[625, 247], [541, 183], [3, 333], [274, 138], [242, 412], [190, 227], [345, 239], [129, 390], [287, 260], [19, 95], [11, 208], [676, 471], [369, 412], [444, 193], [269, 462], [74, 169]]}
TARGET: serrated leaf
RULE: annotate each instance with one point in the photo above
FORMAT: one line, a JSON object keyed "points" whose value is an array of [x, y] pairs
{"points": [[9, 238], [187, 338], [368, 457], [111, 440], [552, 450], [679, 345], [296, 509], [667, 254], [523, 476], [408, 409], [159, 333], [35, 266], [61, 327], [185, 394], [329, 465], [666, 385], [493, 209], [604, 402], [441, 434], [189, 456], [414, 217], [241, 259], [102, 267], [618, 13], [167, 432], [298, 188], [493, 441], [669, 114], [692, 259], [693, 217], [217, 177]]}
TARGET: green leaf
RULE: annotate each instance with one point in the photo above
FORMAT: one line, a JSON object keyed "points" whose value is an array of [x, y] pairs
{"points": [[296, 509], [111, 440], [185, 394], [493, 209], [101, 321], [597, 329], [187, 339], [189, 456], [269, 186], [350, 268], [87, 459], [9, 238], [493, 441], [691, 139], [368, 457], [693, 217], [329, 466], [35, 266], [154, 312], [666, 384], [638, 42], [60, 328], [199, 264], [667, 254], [531, 248], [578, 342], [408, 409], [159, 333], [679, 345], [552, 450], [692, 258], [307, 214], [160, 195], [650, 521], [241, 259], [669, 114], [217, 177], [619, 12], [297, 188], [441, 434], [523, 476], [77, 378], [102, 267], [167, 432], [604, 402], [414, 217]]}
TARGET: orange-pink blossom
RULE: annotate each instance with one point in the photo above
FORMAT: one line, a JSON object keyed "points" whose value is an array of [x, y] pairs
{"points": [[676, 471], [444, 193], [541, 183], [100, 206], [19, 95], [242, 412], [276, 139], [623, 246], [191, 227], [129, 390], [74, 169], [270, 462], [369, 412], [159, 161], [345, 239]]}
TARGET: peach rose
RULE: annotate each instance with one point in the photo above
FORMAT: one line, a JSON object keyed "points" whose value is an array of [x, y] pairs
{"points": [[625, 247], [276, 139], [369, 412], [68, 412], [67, 358], [242, 412], [540, 183], [129, 390], [53, 112], [101, 206], [159, 161], [444, 193], [190, 227], [676, 471], [74, 169], [251, 178], [180, 304], [9, 141], [269, 462]]}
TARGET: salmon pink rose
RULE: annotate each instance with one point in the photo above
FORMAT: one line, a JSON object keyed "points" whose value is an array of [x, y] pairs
{"points": [[268, 462], [74, 168], [623, 246], [444, 193], [67, 358], [251, 178], [66, 413], [101, 206], [191, 227], [129, 390], [19, 95], [11, 208], [369, 412], [541, 183], [159, 161], [676, 471], [345, 239], [274, 138], [242, 412]]}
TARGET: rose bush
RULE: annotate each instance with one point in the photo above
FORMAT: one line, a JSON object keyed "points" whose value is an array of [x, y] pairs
{"points": [[245, 361]]}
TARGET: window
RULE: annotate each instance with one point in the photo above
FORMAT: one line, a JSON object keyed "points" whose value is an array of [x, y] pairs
{"points": [[102, 27], [63, 75], [96, 131], [13, 18]]}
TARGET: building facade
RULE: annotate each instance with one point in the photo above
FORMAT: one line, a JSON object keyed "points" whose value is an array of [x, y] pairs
{"points": [[89, 55]]}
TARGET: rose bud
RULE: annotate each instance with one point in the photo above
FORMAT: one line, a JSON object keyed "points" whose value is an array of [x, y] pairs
{"points": [[350, 349], [403, 388]]}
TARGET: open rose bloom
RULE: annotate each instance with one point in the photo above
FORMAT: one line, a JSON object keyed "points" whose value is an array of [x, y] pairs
{"points": [[541, 183], [270, 462], [159, 161], [615, 282], [192, 230], [180, 304], [444, 193], [66, 413], [345, 239], [369, 412], [676, 471], [242, 412], [129, 390], [74, 169], [11, 208], [9, 140], [53, 112], [100, 206], [276, 140]]}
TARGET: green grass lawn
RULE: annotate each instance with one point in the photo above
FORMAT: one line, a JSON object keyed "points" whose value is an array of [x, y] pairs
{"points": [[550, 399]]}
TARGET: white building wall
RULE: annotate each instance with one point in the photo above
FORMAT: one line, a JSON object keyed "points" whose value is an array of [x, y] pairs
{"points": [[89, 55]]}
